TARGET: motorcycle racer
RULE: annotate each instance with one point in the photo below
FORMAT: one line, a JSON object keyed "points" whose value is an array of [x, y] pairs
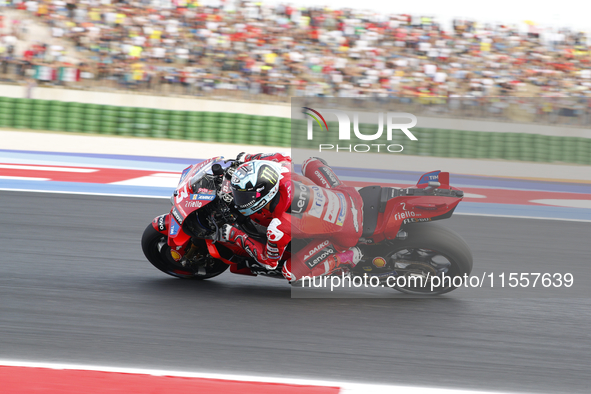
{"points": [[262, 191], [265, 190]]}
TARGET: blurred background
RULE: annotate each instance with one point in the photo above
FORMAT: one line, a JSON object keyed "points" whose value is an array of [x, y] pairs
{"points": [[502, 91], [429, 61], [269, 51], [135, 68]]}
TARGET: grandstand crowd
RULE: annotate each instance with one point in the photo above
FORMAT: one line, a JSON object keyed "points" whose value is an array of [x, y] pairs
{"points": [[251, 50]]}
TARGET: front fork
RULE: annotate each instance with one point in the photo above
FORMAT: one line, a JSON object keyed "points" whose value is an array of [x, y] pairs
{"points": [[187, 250]]}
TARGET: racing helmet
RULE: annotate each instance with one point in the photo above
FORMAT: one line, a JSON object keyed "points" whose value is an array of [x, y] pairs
{"points": [[254, 184]]}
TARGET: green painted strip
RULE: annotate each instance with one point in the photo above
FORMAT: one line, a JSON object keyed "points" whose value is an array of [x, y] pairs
{"points": [[261, 130]]}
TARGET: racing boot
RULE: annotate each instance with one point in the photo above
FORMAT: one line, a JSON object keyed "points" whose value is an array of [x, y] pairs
{"points": [[343, 261], [312, 160], [317, 170]]}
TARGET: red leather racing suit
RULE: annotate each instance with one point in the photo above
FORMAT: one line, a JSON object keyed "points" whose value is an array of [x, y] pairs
{"points": [[317, 206], [277, 220], [327, 211]]}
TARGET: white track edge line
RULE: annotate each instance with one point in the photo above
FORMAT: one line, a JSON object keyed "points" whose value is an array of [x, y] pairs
{"points": [[11, 166], [522, 217], [81, 193], [163, 197], [349, 388]]}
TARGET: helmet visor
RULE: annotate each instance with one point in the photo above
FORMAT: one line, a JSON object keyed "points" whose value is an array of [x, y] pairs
{"points": [[245, 199]]}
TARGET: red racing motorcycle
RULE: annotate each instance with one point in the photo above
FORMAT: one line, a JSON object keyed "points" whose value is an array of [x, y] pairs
{"points": [[398, 240]]}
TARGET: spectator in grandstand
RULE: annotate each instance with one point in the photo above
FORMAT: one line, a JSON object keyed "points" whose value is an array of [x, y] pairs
{"points": [[278, 50]]}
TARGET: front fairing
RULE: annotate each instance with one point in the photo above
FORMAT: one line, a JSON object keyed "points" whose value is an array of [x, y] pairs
{"points": [[195, 190], [185, 201]]}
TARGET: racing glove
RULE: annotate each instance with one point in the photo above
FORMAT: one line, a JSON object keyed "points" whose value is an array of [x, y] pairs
{"points": [[224, 233], [256, 250]]}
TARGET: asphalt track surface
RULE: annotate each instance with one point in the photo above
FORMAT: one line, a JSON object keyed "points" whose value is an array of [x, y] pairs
{"points": [[76, 288]]}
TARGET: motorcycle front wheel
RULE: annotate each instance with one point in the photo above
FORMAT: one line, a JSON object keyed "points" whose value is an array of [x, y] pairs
{"points": [[157, 251]]}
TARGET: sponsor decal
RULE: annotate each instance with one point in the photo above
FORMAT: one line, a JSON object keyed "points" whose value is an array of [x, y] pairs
{"points": [[202, 197], [320, 256], [404, 215], [177, 215], [251, 252], [386, 274], [328, 172], [182, 193], [355, 213], [226, 188], [416, 220], [269, 174], [301, 198], [161, 223], [259, 270], [316, 249], [318, 202], [175, 255], [321, 178], [205, 191], [429, 177], [197, 167], [174, 228], [273, 232], [241, 172], [428, 207], [366, 241], [245, 170], [181, 210], [332, 210], [343, 211], [193, 204], [379, 262], [260, 205]]}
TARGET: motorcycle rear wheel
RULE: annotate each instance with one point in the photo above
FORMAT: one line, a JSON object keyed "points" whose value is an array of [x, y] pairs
{"points": [[157, 252], [431, 249]]}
